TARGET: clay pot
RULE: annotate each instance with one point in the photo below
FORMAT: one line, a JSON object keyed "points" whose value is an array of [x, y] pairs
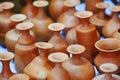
{"points": [[40, 66], [58, 72], [5, 23], [29, 10], [67, 17], [113, 24], [76, 65], [20, 76], [91, 7], [25, 50], [84, 34], [41, 22], [109, 49], [12, 35], [116, 34], [5, 58], [100, 19], [56, 7], [59, 43], [108, 69]]}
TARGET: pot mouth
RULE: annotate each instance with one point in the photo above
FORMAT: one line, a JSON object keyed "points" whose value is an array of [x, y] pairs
{"points": [[18, 17], [7, 5], [108, 45], [115, 9], [24, 26], [6, 56], [108, 67], [44, 45], [83, 14], [71, 3], [19, 76], [40, 3], [56, 26], [58, 57], [75, 49], [102, 5]]}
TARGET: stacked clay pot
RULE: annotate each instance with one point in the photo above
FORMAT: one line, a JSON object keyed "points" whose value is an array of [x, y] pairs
{"points": [[25, 50], [101, 18], [84, 34], [109, 70], [5, 23], [113, 24], [41, 21], [67, 17], [58, 72], [40, 66], [5, 58], [59, 43], [109, 49], [77, 66]]}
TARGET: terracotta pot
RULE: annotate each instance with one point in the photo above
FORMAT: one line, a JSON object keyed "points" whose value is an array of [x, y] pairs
{"points": [[91, 6], [84, 34], [56, 7], [25, 50], [100, 19], [5, 58], [12, 35], [109, 49], [40, 66], [108, 69], [19, 76], [58, 72], [41, 22], [113, 24], [67, 17], [76, 65], [29, 10], [59, 43], [116, 34], [5, 23]]}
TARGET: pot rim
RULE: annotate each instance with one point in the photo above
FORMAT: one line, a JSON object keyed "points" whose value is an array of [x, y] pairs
{"points": [[40, 3], [44, 45], [107, 50], [56, 26], [58, 57], [76, 49], [108, 67], [6, 56]]}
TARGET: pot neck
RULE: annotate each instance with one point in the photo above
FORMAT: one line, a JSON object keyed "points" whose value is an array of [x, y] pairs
{"points": [[6, 11], [102, 14], [84, 22], [56, 33], [115, 15], [43, 53], [76, 59], [41, 12], [108, 76], [25, 32], [6, 67], [58, 65]]}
